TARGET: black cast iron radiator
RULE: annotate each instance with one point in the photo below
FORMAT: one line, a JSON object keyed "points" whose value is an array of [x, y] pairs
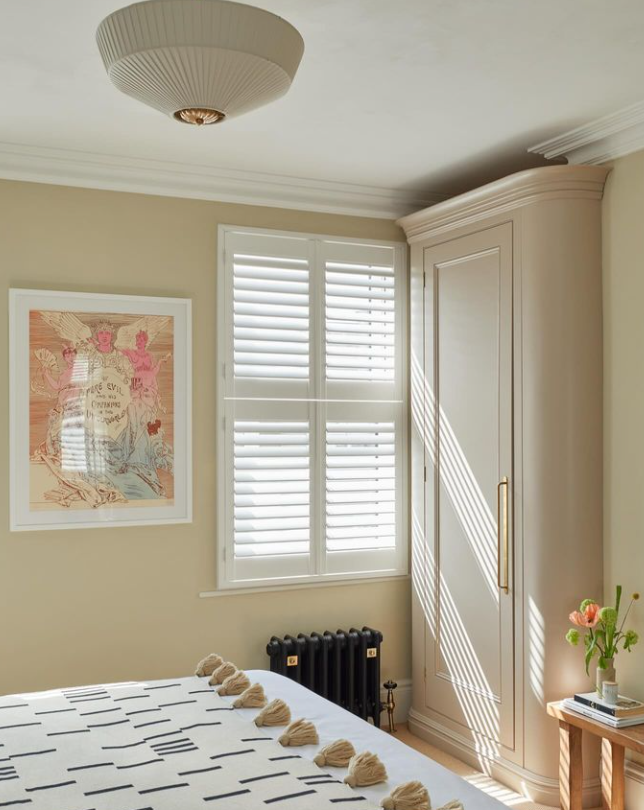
{"points": [[342, 667]]}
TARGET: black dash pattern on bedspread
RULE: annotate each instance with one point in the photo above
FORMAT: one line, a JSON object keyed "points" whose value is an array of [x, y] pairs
{"points": [[93, 748]]}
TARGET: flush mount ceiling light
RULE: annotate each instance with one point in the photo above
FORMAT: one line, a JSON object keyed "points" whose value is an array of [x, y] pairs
{"points": [[199, 61]]}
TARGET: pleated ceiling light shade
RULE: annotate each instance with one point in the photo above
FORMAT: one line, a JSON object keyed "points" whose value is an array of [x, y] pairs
{"points": [[200, 61]]}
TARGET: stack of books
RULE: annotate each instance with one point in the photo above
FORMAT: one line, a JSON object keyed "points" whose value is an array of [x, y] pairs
{"points": [[626, 712]]}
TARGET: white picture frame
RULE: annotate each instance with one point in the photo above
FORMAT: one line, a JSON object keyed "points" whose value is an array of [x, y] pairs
{"points": [[100, 427]]}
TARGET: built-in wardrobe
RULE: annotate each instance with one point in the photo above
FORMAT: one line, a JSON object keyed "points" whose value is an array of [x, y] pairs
{"points": [[506, 465]]}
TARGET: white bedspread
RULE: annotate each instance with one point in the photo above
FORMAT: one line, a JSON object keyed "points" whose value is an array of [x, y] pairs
{"points": [[403, 763], [177, 745]]}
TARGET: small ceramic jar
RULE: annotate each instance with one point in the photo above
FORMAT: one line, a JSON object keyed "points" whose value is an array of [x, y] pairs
{"points": [[610, 692]]}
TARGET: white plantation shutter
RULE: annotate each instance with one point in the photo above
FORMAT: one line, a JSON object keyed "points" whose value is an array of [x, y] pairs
{"points": [[271, 317], [268, 289], [272, 488], [313, 426], [271, 496], [360, 485], [360, 322]]}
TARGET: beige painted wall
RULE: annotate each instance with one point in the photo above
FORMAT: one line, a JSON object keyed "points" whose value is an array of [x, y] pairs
{"points": [[110, 604], [623, 247]]}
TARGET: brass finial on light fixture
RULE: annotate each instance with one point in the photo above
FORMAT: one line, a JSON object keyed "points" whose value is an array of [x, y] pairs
{"points": [[199, 117]]}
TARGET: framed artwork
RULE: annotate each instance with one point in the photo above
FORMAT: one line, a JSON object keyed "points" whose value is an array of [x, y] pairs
{"points": [[100, 407]]}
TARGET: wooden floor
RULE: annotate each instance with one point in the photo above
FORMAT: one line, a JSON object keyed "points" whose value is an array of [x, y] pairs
{"points": [[474, 777]]}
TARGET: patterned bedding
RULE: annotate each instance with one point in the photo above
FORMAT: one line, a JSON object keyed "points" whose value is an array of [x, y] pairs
{"points": [[162, 745], [178, 745]]}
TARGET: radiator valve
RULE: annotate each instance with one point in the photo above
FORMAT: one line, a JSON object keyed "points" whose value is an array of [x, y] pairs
{"points": [[390, 705]]}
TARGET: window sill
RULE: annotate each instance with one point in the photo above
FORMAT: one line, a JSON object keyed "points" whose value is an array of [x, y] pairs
{"points": [[296, 586]]}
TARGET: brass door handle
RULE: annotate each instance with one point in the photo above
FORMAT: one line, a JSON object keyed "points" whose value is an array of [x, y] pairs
{"points": [[502, 564]]}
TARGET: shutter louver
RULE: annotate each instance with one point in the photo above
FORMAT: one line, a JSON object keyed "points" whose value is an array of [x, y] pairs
{"points": [[360, 322], [360, 486], [271, 488], [271, 317]]}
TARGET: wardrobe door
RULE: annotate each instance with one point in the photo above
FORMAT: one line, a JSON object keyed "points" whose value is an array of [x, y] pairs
{"points": [[468, 594]]}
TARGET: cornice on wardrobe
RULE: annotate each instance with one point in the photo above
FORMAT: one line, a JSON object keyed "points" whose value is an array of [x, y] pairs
{"points": [[522, 188]]}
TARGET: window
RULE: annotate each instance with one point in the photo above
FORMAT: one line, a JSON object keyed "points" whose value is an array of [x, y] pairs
{"points": [[312, 451]]}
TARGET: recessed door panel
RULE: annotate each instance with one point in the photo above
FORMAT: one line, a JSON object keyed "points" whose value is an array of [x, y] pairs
{"points": [[468, 322]]}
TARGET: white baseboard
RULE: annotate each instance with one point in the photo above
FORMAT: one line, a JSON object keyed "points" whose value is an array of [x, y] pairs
{"points": [[542, 790], [635, 773], [402, 699], [634, 786]]}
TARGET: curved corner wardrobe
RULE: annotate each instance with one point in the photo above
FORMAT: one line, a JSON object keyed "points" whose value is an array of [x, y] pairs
{"points": [[506, 457]]}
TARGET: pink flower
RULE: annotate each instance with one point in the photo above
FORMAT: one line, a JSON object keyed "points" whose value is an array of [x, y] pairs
{"points": [[588, 618]]}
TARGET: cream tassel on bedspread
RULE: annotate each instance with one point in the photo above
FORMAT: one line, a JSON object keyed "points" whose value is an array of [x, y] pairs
{"points": [[222, 672], [414, 796], [365, 769], [253, 698], [277, 713], [410, 796], [208, 664], [337, 754], [301, 732], [234, 684]]}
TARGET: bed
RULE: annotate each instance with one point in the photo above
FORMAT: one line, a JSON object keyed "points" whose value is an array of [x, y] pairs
{"points": [[177, 745]]}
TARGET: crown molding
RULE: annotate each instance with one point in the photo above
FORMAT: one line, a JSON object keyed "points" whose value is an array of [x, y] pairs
{"points": [[144, 176], [604, 139], [509, 193]]}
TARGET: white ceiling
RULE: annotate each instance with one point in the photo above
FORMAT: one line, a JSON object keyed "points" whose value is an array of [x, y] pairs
{"points": [[420, 95]]}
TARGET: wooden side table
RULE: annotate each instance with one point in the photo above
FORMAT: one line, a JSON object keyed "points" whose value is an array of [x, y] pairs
{"points": [[614, 745]]}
